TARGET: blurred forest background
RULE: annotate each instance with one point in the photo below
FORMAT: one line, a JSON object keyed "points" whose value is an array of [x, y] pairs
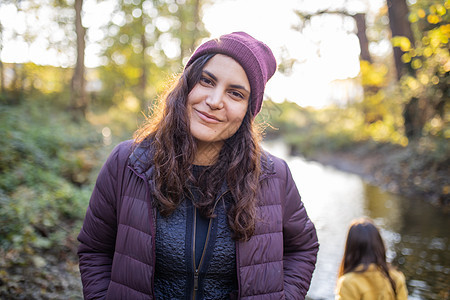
{"points": [[58, 123]]}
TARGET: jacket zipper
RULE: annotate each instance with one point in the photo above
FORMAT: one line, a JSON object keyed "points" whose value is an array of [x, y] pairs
{"points": [[238, 273], [197, 269]]}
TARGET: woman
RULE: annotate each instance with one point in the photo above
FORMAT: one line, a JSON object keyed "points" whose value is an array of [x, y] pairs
{"points": [[364, 272], [193, 208]]}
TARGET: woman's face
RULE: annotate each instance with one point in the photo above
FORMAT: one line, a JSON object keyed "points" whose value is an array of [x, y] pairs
{"points": [[218, 102]]}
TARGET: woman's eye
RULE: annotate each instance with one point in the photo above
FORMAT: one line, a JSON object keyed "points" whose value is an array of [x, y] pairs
{"points": [[237, 94], [206, 81]]}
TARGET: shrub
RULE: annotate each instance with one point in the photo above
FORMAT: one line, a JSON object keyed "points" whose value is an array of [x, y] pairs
{"points": [[45, 164]]}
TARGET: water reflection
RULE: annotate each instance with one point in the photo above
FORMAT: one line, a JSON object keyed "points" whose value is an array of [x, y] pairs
{"points": [[416, 234]]}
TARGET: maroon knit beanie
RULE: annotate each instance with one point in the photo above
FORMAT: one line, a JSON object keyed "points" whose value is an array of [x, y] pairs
{"points": [[254, 56]]}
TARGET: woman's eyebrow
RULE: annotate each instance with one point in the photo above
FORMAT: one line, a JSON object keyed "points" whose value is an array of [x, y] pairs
{"points": [[239, 87], [234, 86], [210, 75]]}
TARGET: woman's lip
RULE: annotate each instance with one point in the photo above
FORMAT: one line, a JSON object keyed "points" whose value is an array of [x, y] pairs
{"points": [[207, 117]]}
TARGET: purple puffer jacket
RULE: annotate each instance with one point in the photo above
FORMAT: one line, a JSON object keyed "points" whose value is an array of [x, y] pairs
{"points": [[117, 245]]}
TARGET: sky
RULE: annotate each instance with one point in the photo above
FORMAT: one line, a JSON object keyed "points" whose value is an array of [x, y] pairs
{"points": [[324, 52]]}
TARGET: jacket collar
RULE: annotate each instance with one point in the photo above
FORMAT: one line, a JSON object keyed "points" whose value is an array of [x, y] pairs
{"points": [[140, 159], [267, 165]]}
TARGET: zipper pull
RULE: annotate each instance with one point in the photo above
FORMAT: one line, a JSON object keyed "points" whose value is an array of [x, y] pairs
{"points": [[196, 281]]}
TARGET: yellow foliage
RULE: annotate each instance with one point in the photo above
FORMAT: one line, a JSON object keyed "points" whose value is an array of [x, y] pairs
{"points": [[132, 72], [423, 78], [421, 13], [406, 58], [412, 83], [403, 141], [435, 80], [416, 63], [428, 52], [445, 29], [46, 79], [375, 99], [433, 19], [440, 9], [433, 9], [379, 131], [413, 18], [439, 36], [373, 74], [402, 42], [447, 66]]}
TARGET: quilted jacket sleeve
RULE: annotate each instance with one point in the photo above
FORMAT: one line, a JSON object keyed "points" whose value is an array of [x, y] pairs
{"points": [[300, 242], [98, 234]]}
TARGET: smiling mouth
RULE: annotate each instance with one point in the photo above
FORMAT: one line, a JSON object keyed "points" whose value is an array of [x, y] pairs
{"points": [[207, 117]]}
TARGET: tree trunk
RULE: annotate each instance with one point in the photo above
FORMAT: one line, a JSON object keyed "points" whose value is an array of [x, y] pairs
{"points": [[196, 22], [182, 35], [78, 97], [360, 20], [144, 70], [415, 114], [143, 79], [2, 78], [400, 26], [2, 72], [187, 36], [370, 115], [15, 85]]}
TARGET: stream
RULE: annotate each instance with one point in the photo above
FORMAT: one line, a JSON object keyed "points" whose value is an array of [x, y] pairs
{"points": [[416, 234]]}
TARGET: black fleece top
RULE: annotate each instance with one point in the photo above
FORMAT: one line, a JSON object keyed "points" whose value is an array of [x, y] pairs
{"points": [[181, 239]]}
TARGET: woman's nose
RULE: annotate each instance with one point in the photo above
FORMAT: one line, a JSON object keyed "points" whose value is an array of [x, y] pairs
{"points": [[215, 99]]}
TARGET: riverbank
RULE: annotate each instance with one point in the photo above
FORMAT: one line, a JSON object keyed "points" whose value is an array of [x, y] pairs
{"points": [[400, 170]]}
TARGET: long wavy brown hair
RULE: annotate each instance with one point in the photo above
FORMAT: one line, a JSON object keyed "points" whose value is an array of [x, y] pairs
{"points": [[173, 149], [364, 246]]}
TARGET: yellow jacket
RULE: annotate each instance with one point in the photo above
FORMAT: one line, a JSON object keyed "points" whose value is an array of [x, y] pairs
{"points": [[371, 285]]}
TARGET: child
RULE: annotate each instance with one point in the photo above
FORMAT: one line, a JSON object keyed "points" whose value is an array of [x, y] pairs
{"points": [[364, 272]]}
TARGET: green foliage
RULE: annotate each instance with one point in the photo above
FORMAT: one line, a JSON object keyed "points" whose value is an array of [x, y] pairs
{"points": [[46, 161], [145, 41], [35, 82], [307, 130], [333, 128]]}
